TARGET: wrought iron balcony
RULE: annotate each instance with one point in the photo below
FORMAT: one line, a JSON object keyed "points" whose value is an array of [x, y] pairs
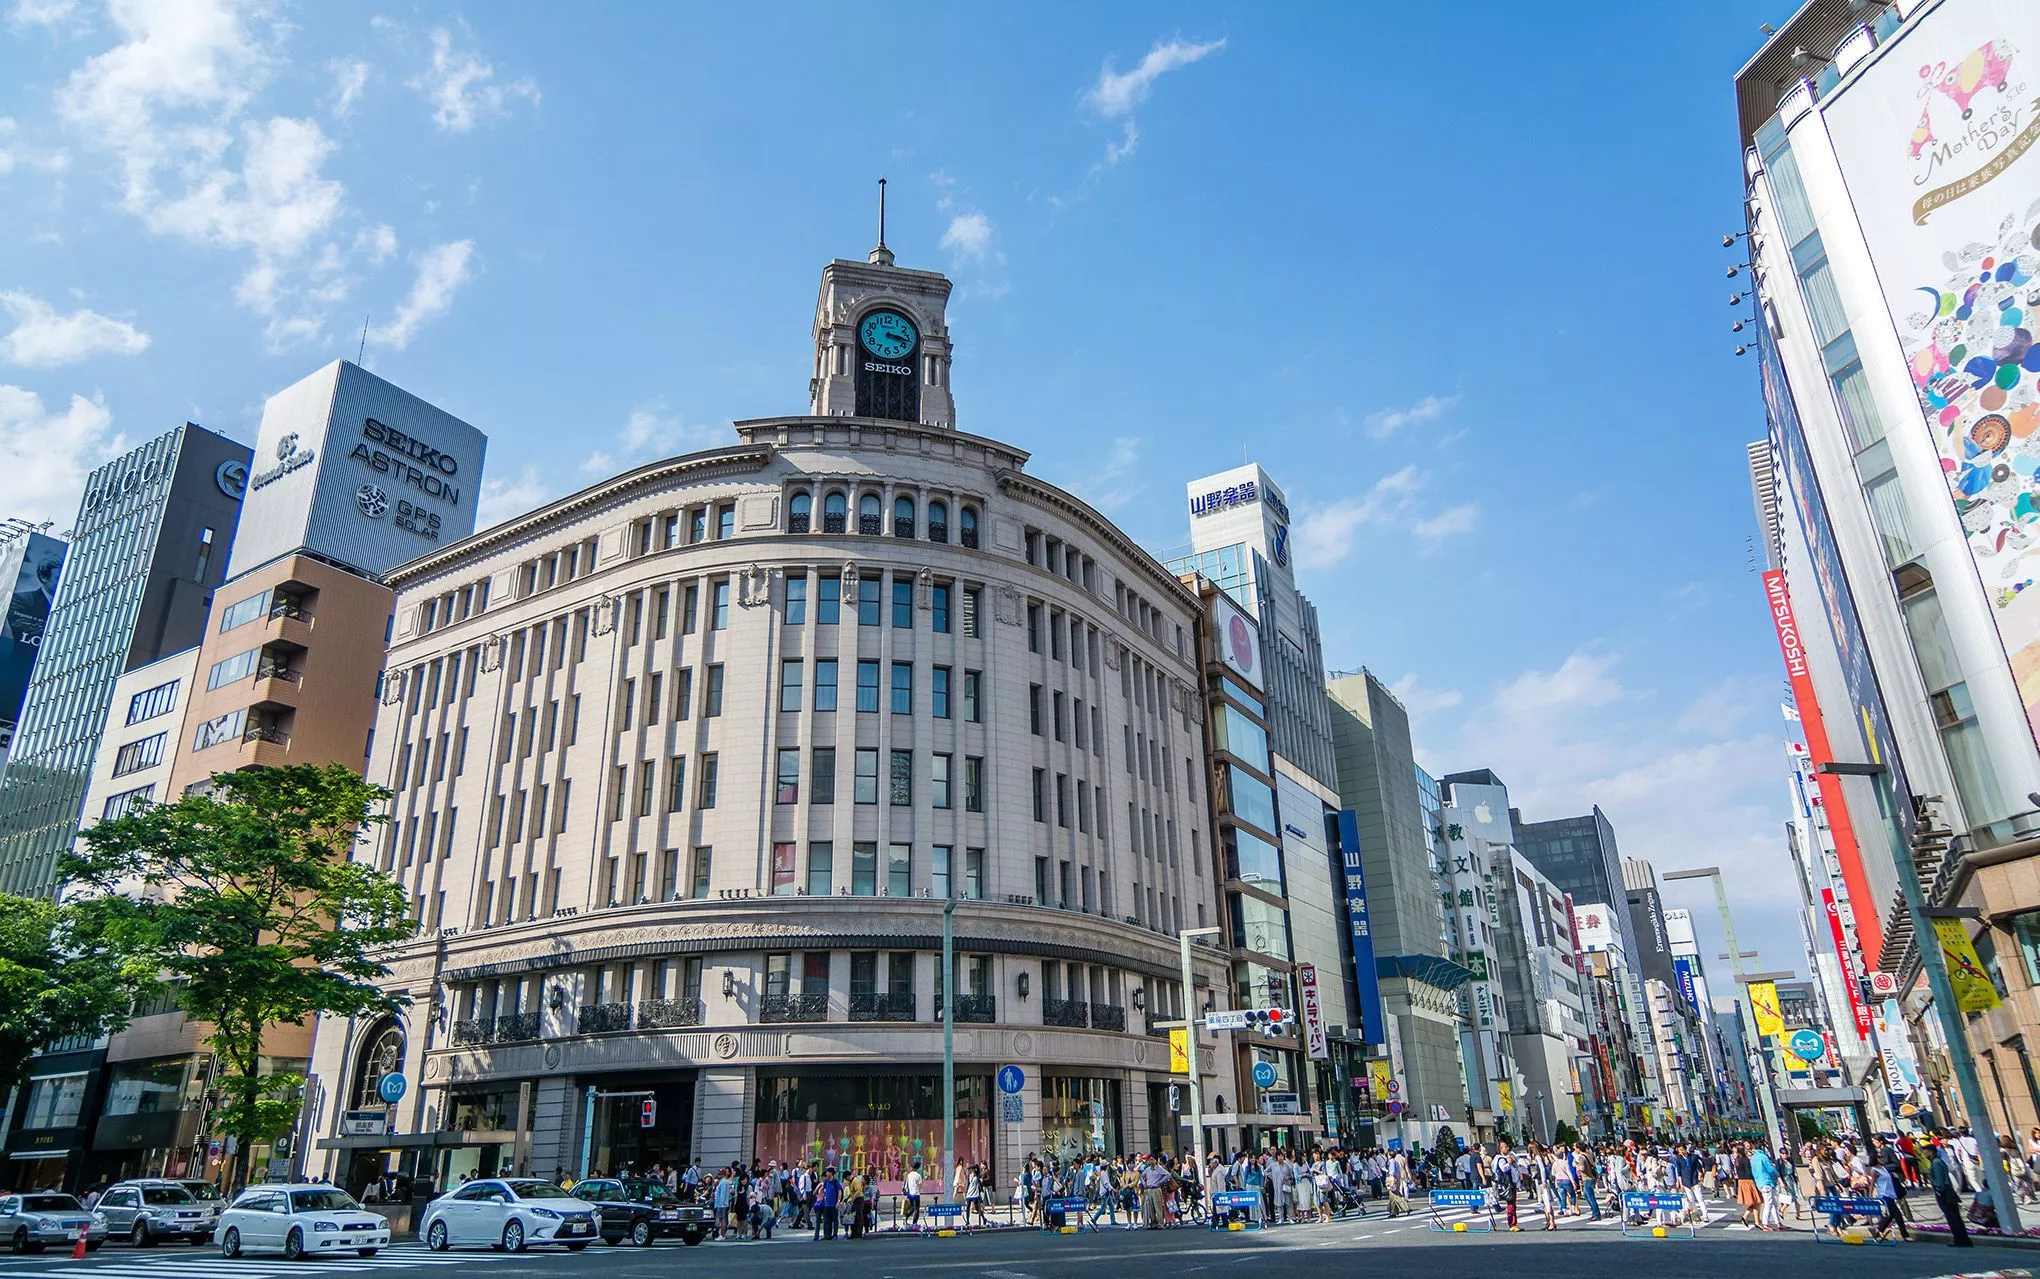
{"points": [[796, 523], [938, 532], [882, 1007], [1159, 1032], [659, 1014], [902, 528], [475, 1031], [1065, 1012], [1108, 1017], [832, 522], [597, 1018], [977, 1008], [512, 1027], [969, 537], [265, 733], [870, 525], [811, 1006]]}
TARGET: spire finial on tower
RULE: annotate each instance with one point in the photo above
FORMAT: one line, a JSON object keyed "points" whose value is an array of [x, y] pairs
{"points": [[881, 256]]}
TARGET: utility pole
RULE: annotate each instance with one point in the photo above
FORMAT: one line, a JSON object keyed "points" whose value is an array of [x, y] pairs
{"points": [[1934, 838], [1753, 1041], [1190, 1042], [948, 1015]]}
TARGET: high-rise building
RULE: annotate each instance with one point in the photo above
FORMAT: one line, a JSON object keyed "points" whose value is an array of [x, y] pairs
{"points": [[30, 562], [1579, 855], [741, 726], [149, 546], [1547, 1009], [1890, 227]]}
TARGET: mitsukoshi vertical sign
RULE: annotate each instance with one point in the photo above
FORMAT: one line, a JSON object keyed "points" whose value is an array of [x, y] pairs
{"points": [[1939, 141]]}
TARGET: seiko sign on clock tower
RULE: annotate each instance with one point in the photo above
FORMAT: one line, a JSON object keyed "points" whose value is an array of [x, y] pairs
{"points": [[881, 343]]}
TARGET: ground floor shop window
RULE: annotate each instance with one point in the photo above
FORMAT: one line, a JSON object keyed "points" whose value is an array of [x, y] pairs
{"points": [[877, 1125], [1079, 1116]]}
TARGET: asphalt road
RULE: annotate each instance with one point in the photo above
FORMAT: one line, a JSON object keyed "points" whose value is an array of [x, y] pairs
{"points": [[1351, 1247]]}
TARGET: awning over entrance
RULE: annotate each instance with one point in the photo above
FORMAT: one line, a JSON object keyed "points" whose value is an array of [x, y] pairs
{"points": [[39, 1154], [418, 1140]]}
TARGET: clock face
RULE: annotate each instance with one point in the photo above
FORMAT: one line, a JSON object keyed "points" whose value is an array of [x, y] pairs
{"points": [[887, 334]]}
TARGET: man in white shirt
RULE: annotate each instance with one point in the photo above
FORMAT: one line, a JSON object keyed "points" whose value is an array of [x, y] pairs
{"points": [[912, 1202]]}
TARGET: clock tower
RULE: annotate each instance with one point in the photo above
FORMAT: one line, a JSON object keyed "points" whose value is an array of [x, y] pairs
{"points": [[882, 343]]}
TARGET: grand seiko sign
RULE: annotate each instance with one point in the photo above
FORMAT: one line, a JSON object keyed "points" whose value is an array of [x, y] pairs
{"points": [[289, 458], [408, 461]]}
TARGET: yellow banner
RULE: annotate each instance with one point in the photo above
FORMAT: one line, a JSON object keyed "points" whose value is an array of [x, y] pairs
{"points": [[1974, 992], [1792, 1060], [1764, 1004], [1179, 1052], [1508, 1095], [1646, 1116]]}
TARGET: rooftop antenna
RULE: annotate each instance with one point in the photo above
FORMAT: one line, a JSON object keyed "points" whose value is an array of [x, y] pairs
{"points": [[881, 256], [362, 352]]}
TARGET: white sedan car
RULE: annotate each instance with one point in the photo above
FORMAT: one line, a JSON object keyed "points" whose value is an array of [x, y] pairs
{"points": [[509, 1213], [299, 1221]]}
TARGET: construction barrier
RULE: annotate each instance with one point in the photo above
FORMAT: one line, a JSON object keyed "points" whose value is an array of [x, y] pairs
{"points": [[1451, 1198], [1064, 1215], [1247, 1201], [1827, 1207], [1643, 1203], [946, 1218]]}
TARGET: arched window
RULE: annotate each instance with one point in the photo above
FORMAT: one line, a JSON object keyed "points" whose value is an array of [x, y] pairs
{"points": [[938, 521], [834, 508], [903, 517], [967, 532], [382, 1053], [798, 512], [870, 515]]}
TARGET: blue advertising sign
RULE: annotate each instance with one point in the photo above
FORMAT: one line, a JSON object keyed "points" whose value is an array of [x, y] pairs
{"points": [[1373, 1026], [28, 586], [1012, 1079], [1684, 966]]}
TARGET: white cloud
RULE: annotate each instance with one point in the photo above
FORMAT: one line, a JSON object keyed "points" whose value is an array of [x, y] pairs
{"points": [[1725, 708], [649, 433], [969, 236], [1582, 681], [1118, 92], [1117, 478], [1449, 522], [1117, 151], [1325, 535], [1387, 422], [442, 270], [45, 456], [1421, 701], [377, 243], [503, 499], [350, 77], [13, 153], [41, 338], [45, 13], [462, 88]]}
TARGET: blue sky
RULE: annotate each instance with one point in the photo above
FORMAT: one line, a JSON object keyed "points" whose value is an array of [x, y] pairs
{"points": [[1452, 276]]}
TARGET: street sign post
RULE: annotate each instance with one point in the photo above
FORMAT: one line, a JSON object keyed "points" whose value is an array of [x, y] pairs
{"points": [[1012, 1079]]}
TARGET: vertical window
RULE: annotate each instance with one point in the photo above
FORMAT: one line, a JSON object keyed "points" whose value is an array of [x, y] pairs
{"points": [[683, 694], [867, 687], [903, 602], [1062, 799], [669, 876], [973, 609], [867, 601], [1058, 708], [796, 599], [938, 781], [899, 871], [1040, 794], [901, 779], [822, 776], [825, 684], [676, 783], [938, 871], [719, 606], [974, 783], [205, 550], [662, 613], [903, 517], [938, 693], [973, 710], [787, 788], [622, 776], [711, 696], [655, 696], [726, 520], [864, 869], [821, 857], [902, 688], [690, 608], [866, 782], [1034, 709], [828, 598], [940, 608], [697, 885], [789, 685], [647, 783], [709, 763], [1034, 628], [974, 873], [697, 524], [629, 703]]}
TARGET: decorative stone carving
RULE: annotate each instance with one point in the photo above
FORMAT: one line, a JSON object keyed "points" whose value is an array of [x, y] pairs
{"points": [[1006, 606], [1111, 643], [605, 616], [850, 573], [924, 589], [492, 653], [725, 1045], [392, 687], [1023, 1044], [753, 586], [552, 1056]]}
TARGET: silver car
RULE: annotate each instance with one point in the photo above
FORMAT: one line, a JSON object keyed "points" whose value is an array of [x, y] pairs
{"points": [[148, 1210], [34, 1219]]}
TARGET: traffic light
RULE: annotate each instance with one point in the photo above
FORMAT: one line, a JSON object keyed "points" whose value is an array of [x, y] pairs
{"points": [[648, 1111]]}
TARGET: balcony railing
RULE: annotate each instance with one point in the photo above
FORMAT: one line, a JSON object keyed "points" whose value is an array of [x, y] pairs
{"points": [[512, 1027], [476, 1031], [265, 733], [1065, 1012], [1108, 1017], [812, 1006], [870, 525], [277, 670], [796, 523], [597, 1018], [968, 537], [832, 522], [1156, 1030], [977, 1008], [902, 528], [659, 1014], [938, 532], [882, 1007], [286, 608]]}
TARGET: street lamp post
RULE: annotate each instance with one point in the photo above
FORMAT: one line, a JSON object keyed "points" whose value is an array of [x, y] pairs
{"points": [[1749, 1020], [1190, 1042], [948, 1014]]}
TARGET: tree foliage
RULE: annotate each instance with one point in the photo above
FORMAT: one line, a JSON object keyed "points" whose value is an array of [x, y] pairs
{"points": [[57, 983], [249, 902]]}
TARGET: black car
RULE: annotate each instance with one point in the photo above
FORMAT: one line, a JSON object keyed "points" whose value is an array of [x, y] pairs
{"points": [[642, 1211]]}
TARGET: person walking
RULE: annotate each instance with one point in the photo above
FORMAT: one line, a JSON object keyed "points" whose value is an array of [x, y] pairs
{"points": [[1765, 1173], [1746, 1193], [828, 1202], [910, 1200], [1885, 1187], [1941, 1174], [1505, 1184]]}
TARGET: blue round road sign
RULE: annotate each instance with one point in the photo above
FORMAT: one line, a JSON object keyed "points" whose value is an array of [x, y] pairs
{"points": [[391, 1087], [1807, 1045], [1012, 1079], [1264, 1074]]}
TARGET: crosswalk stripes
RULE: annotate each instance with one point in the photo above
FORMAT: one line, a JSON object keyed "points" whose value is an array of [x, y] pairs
{"points": [[408, 1256]]}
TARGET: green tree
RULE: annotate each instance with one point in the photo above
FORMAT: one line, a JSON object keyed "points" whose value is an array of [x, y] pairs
{"points": [[252, 907], [1565, 1134], [56, 983]]}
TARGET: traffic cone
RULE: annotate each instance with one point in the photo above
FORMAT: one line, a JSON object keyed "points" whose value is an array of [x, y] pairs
{"points": [[78, 1249]]}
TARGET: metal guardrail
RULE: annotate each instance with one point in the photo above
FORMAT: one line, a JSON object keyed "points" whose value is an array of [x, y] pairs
{"points": [[1073, 1013], [873, 1006], [810, 1007], [663, 1014]]}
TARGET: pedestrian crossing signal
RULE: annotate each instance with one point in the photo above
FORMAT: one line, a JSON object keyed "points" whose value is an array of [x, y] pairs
{"points": [[648, 1111]]}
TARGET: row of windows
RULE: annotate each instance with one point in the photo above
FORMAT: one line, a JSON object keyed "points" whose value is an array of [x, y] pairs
{"points": [[137, 755], [456, 605], [899, 695], [637, 791], [151, 702], [871, 517]]}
